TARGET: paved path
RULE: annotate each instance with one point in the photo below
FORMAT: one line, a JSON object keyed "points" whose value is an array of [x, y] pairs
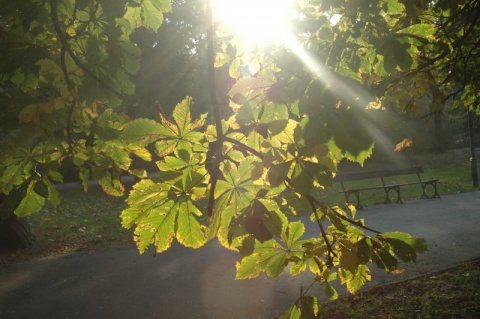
{"points": [[183, 283]]}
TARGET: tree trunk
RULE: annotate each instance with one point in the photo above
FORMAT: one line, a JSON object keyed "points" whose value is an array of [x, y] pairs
{"points": [[16, 233], [438, 142]]}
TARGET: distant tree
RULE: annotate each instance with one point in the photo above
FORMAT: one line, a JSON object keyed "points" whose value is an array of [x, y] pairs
{"points": [[173, 61]]}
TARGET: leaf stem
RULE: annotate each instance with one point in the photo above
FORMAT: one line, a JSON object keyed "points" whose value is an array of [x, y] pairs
{"points": [[242, 147], [351, 221]]}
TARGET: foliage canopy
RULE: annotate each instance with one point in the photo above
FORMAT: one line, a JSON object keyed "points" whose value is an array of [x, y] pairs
{"points": [[282, 117]]}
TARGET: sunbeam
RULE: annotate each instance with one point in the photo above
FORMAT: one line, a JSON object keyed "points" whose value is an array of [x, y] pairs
{"points": [[351, 92], [263, 22]]}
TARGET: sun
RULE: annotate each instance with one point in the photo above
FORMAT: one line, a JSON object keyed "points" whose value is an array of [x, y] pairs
{"points": [[257, 21]]}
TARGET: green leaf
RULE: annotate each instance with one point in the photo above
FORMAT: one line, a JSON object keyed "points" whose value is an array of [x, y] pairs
{"points": [[18, 77], [302, 180], [305, 307], [157, 227], [221, 58], [395, 7], [249, 86], [110, 183], [267, 256], [355, 280], [345, 152], [294, 231], [12, 176], [234, 68], [413, 245], [130, 57], [31, 202], [348, 258], [190, 232], [181, 114], [166, 210], [154, 214], [152, 12], [254, 222], [331, 292], [422, 30], [384, 259], [53, 194], [278, 173], [270, 257], [294, 312], [144, 131]]}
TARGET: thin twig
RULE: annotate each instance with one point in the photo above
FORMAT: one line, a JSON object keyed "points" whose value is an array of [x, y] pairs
{"points": [[331, 253]]}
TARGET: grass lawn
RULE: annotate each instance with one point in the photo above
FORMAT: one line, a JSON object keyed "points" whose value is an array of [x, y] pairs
{"points": [[90, 221]]}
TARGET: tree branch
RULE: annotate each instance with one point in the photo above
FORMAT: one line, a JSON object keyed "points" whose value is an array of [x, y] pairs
{"points": [[68, 49], [63, 66], [218, 146]]}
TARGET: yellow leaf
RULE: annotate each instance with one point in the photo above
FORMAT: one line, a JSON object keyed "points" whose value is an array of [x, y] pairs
{"points": [[71, 31], [407, 142], [33, 112]]}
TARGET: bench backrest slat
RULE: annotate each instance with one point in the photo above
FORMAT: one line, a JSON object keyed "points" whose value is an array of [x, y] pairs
{"points": [[378, 174]]}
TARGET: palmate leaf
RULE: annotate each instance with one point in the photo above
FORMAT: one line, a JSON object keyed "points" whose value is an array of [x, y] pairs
{"points": [[156, 227], [234, 193], [183, 134], [262, 220], [225, 211], [356, 279], [169, 136], [13, 175], [268, 256], [164, 211], [271, 257]]}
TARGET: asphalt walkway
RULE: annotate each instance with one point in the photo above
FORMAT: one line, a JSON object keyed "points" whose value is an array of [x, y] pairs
{"points": [[184, 283]]}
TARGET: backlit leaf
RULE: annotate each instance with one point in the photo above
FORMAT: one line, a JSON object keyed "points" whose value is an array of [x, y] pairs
{"points": [[305, 307], [423, 30], [181, 114], [190, 232], [267, 256], [331, 292], [144, 131], [31, 202]]}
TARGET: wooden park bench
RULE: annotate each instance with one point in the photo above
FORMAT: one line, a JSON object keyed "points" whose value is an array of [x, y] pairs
{"points": [[381, 176]]}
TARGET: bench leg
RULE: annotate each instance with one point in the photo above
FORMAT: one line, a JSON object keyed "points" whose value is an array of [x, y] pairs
{"points": [[387, 195], [424, 190], [357, 196]]}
